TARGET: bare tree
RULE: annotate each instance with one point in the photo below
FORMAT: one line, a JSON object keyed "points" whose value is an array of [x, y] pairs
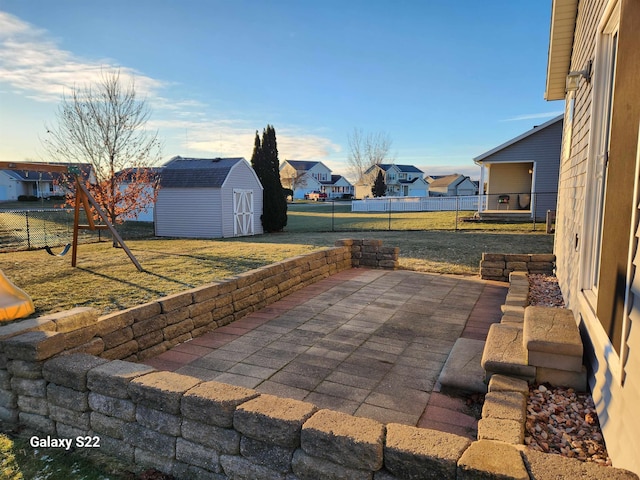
{"points": [[104, 125], [366, 151]]}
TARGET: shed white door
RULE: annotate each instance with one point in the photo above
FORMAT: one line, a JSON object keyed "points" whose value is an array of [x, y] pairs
{"points": [[242, 212]]}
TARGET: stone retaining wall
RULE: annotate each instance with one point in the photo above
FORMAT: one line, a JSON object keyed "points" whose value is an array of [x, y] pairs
{"points": [[498, 266]]}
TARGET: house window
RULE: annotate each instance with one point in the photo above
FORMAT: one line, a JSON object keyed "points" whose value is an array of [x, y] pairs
{"points": [[603, 81]]}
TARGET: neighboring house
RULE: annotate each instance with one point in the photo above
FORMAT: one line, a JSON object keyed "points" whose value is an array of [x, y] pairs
{"points": [[401, 181], [594, 65], [17, 183], [337, 187], [208, 198], [522, 174], [145, 212], [306, 176], [451, 186]]}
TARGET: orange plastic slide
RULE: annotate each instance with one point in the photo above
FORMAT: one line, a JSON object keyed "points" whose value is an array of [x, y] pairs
{"points": [[14, 302]]}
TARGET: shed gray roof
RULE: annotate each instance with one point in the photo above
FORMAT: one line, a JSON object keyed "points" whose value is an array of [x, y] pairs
{"points": [[182, 172]]}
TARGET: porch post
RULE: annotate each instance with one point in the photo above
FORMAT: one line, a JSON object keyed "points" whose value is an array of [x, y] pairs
{"points": [[481, 189]]}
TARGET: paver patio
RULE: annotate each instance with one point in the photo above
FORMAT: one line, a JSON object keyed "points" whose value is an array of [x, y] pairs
{"points": [[366, 342]]}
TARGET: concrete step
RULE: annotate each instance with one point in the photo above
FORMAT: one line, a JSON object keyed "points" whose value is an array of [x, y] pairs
{"points": [[462, 371], [552, 339], [504, 353]]}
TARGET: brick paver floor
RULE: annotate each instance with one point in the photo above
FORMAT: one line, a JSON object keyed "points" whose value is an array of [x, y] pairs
{"points": [[366, 342]]}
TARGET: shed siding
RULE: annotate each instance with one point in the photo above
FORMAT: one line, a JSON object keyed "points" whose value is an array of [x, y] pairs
{"points": [[616, 401], [240, 177], [188, 212]]}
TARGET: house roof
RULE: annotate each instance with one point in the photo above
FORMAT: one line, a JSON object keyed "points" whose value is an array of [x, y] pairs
{"points": [[182, 172], [446, 180], [478, 160], [128, 174], [563, 25], [31, 176], [303, 165], [335, 179], [401, 168]]}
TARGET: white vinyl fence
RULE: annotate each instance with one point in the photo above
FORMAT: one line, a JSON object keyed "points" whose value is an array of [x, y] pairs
{"points": [[418, 204]]}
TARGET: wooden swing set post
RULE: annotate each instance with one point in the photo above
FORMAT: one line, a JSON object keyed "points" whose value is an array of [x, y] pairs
{"points": [[84, 199]]}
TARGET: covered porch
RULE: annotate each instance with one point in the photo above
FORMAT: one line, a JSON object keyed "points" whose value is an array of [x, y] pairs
{"points": [[508, 190]]}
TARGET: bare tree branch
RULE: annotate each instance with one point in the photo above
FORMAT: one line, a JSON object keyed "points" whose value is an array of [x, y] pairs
{"points": [[104, 125], [366, 151]]}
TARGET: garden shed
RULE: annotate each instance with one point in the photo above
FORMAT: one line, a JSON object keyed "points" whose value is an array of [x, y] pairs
{"points": [[208, 198]]}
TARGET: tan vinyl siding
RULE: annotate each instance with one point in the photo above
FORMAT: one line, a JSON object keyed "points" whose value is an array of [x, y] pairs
{"points": [[616, 401], [188, 212]]}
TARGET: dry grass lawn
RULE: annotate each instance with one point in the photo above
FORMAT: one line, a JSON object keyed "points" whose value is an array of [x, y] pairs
{"points": [[107, 280]]}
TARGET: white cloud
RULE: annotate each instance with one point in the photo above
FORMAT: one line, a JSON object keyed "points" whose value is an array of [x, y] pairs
{"points": [[230, 138], [34, 66], [531, 116]]}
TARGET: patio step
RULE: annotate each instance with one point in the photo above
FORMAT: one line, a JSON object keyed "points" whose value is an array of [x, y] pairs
{"points": [[462, 371], [505, 353]]}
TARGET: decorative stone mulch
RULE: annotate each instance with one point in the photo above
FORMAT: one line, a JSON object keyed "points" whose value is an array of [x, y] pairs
{"points": [[559, 420], [544, 291], [564, 422]]}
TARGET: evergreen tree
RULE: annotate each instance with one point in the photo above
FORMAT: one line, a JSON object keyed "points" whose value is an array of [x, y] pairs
{"points": [[267, 166], [379, 188]]}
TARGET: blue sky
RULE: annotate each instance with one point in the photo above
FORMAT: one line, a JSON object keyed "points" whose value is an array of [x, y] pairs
{"points": [[446, 81]]}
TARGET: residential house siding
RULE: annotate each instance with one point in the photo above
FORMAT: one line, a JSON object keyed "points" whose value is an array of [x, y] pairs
{"points": [[612, 348]]}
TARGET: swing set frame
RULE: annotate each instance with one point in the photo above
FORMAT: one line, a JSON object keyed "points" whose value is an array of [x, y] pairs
{"points": [[84, 200]]}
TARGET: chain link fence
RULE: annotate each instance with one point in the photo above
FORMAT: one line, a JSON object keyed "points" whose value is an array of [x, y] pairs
{"points": [[32, 229]]}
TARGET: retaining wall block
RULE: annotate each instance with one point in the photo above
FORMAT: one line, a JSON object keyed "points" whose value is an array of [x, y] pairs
{"points": [[145, 311], [117, 337], [148, 439], [493, 257], [24, 326], [159, 421], [195, 454], [121, 351], [112, 407], [67, 398], [33, 346], [266, 454], [183, 470], [306, 467], [70, 417], [106, 425], [175, 301], [73, 319], [161, 390], [36, 422], [143, 327], [214, 403], [238, 468], [69, 431], [115, 321], [412, 452], [25, 369], [505, 405], [273, 419], [153, 459], [488, 459], [222, 440], [35, 405], [29, 387], [112, 378], [81, 336], [353, 442], [94, 347], [117, 448]]}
